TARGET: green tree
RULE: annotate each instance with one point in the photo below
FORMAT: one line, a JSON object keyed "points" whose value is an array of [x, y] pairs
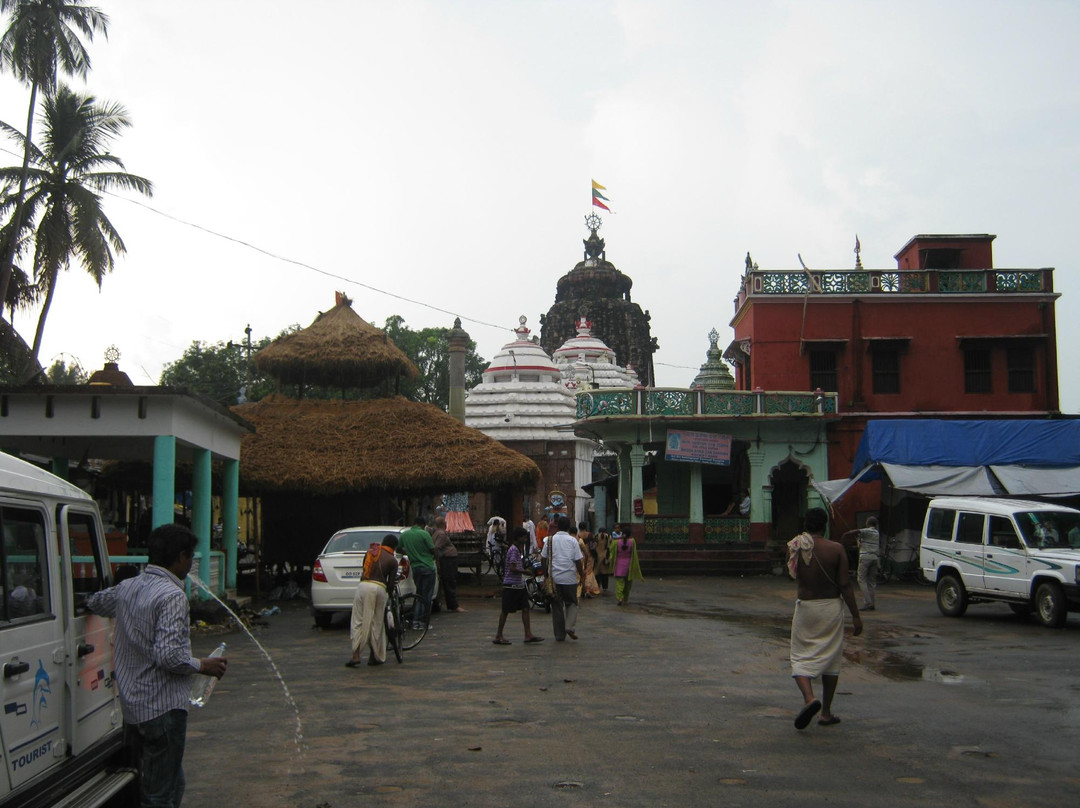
{"points": [[219, 371], [41, 40], [62, 202], [430, 352], [60, 373]]}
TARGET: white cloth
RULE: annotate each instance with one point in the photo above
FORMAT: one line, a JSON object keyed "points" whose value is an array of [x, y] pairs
{"points": [[817, 637], [368, 624], [565, 553]]}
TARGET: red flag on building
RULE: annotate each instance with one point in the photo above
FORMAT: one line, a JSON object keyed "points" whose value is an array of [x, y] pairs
{"points": [[598, 198]]}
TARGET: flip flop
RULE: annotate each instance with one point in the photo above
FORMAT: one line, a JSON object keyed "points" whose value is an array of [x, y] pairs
{"points": [[502, 642], [535, 639], [352, 663], [802, 720], [828, 722]]}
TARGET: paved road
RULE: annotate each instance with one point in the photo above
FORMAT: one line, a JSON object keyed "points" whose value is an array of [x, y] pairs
{"points": [[683, 698]]}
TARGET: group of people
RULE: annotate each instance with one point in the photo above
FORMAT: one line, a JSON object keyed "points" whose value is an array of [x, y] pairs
{"points": [[577, 564]]}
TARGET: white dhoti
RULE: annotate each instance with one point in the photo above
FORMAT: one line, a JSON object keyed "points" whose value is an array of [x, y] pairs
{"points": [[817, 637], [368, 626]]}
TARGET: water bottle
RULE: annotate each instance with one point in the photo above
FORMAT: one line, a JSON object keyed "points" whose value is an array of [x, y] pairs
{"points": [[202, 684]]}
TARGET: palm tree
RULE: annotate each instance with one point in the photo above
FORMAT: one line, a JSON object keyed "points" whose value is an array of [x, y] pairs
{"points": [[41, 39], [62, 206]]}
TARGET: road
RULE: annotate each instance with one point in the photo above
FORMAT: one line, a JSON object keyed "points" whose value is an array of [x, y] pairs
{"points": [[682, 698]]}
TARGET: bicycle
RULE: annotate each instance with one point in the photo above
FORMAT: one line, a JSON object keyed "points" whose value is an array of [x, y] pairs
{"points": [[494, 557], [901, 564], [401, 632]]}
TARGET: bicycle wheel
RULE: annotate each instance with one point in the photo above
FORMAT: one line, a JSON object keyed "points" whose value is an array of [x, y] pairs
{"points": [[394, 625], [411, 633]]}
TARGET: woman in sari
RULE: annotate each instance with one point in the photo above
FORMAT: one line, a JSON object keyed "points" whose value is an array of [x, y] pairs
{"points": [[587, 585], [624, 559]]}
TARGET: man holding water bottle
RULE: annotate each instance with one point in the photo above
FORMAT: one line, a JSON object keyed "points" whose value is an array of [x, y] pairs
{"points": [[154, 665]]}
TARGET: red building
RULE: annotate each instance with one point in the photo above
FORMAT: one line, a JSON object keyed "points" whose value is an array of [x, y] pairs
{"points": [[944, 335]]}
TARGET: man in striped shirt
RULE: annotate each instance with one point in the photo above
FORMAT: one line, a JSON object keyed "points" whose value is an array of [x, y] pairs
{"points": [[154, 665]]}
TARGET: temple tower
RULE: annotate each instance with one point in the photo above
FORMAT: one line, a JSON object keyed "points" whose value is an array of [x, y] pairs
{"points": [[596, 290]]}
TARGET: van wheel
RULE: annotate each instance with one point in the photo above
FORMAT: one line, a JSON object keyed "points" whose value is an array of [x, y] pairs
{"points": [[952, 598], [1050, 604]]}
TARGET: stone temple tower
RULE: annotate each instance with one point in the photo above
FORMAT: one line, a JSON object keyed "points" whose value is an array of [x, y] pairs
{"points": [[596, 290]]}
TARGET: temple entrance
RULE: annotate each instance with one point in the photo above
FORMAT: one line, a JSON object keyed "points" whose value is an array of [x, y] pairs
{"points": [[789, 481]]}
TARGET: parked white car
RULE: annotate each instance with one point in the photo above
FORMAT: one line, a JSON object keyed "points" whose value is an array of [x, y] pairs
{"points": [[337, 570], [1023, 553]]}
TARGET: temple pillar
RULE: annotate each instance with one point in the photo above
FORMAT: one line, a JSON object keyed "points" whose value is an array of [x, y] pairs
{"points": [[164, 491], [230, 521], [697, 506], [638, 457], [201, 512]]}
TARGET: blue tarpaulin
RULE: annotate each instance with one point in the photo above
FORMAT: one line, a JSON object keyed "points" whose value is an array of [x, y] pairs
{"points": [[1040, 444]]}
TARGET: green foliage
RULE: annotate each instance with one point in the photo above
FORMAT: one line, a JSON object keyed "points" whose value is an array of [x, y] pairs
{"points": [[219, 371], [430, 352], [60, 373]]}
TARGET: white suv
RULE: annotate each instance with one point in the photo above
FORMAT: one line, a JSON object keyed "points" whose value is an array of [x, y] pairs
{"points": [[1024, 553]]}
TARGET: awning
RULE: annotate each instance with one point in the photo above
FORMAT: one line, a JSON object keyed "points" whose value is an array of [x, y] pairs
{"points": [[958, 481], [1025, 481]]}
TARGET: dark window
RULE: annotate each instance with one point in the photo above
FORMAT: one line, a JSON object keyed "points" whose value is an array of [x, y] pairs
{"points": [[823, 370], [977, 371], [940, 524], [970, 529], [24, 590], [886, 370], [1021, 365]]}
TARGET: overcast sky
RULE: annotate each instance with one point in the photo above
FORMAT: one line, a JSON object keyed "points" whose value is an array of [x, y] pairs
{"points": [[442, 152]]}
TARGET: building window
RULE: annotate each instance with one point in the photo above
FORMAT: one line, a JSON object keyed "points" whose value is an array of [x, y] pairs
{"points": [[1021, 366], [977, 371], [823, 370], [886, 370]]}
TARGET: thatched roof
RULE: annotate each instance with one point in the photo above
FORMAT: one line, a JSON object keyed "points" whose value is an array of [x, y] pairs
{"points": [[340, 349], [390, 444]]}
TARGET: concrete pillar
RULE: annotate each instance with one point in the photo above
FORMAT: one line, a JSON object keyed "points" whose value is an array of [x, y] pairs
{"points": [[201, 512], [459, 344], [637, 490], [230, 521], [760, 519], [697, 506], [600, 507], [164, 480]]}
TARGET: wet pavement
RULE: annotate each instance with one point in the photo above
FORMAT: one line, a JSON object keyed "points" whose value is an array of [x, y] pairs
{"points": [[681, 698]]}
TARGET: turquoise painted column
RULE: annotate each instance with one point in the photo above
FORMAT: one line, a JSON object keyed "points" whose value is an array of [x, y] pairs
{"points": [[201, 512], [60, 467], [230, 518], [164, 480], [637, 490], [600, 507]]}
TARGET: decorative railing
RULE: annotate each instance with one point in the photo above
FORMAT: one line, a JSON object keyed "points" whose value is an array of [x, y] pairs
{"points": [[727, 530], [654, 401], [676, 530], [859, 281]]}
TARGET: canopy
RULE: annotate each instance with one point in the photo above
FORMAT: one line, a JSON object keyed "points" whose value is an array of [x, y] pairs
{"points": [[968, 458]]}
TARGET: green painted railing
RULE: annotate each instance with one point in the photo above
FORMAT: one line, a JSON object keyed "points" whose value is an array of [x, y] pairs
{"points": [[691, 403], [861, 281]]}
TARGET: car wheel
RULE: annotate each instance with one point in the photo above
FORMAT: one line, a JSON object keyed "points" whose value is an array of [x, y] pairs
{"points": [[952, 598], [1050, 604], [323, 619]]}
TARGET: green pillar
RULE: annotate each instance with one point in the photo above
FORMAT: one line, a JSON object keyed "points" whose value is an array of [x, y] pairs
{"points": [[201, 510], [697, 501], [637, 490], [60, 467], [230, 521], [164, 480]]}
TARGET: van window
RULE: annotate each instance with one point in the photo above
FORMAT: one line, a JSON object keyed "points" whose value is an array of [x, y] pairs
{"points": [[87, 565], [24, 564], [1002, 533], [940, 524], [970, 529]]}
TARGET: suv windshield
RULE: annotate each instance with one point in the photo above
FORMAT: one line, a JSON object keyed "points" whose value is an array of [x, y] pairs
{"points": [[1050, 529]]}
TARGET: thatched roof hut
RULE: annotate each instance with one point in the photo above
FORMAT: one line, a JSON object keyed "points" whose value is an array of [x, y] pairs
{"points": [[329, 447], [339, 349]]}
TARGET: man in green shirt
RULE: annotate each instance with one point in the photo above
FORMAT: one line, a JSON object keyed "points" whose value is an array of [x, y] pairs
{"points": [[417, 544]]}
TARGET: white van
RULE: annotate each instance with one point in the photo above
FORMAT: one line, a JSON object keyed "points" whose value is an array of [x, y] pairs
{"points": [[60, 723], [1026, 554]]}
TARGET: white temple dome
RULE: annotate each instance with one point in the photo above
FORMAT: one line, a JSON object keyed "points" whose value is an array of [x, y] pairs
{"points": [[585, 360]]}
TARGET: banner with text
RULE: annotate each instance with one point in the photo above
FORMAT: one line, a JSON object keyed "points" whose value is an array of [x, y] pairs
{"points": [[698, 447]]}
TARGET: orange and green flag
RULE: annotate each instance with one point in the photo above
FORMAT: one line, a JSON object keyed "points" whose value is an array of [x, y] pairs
{"points": [[598, 199]]}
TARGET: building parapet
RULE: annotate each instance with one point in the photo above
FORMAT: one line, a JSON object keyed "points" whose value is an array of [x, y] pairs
{"points": [[896, 282], [682, 403]]}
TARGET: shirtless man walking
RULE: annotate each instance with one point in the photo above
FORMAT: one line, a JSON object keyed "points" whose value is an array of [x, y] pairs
{"points": [[820, 567]]}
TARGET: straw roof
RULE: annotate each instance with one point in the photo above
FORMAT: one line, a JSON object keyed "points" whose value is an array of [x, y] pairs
{"points": [[391, 444], [340, 349]]}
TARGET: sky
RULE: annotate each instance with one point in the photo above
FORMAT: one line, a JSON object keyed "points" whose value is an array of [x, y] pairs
{"points": [[433, 158]]}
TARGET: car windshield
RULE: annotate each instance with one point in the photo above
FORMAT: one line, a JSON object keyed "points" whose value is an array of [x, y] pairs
{"points": [[1050, 529], [351, 541]]}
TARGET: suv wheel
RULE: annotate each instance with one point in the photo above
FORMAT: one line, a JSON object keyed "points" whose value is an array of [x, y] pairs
{"points": [[952, 598], [323, 619], [1050, 604]]}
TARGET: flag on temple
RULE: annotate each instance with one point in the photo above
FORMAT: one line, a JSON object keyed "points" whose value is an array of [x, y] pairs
{"points": [[598, 198]]}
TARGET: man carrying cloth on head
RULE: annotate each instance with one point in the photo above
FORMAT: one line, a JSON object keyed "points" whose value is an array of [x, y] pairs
{"points": [[817, 629]]}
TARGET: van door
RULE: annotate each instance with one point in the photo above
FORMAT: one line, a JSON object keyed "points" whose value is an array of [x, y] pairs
{"points": [[1006, 567], [970, 534], [95, 707], [32, 714]]}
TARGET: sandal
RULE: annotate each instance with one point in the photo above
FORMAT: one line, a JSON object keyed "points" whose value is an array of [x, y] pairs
{"points": [[502, 642]]}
